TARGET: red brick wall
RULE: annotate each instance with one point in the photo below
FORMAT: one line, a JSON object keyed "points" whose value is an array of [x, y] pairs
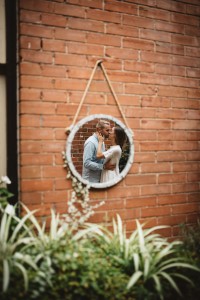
{"points": [[151, 52]]}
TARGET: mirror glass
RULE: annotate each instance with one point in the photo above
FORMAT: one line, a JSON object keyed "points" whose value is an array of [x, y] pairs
{"points": [[90, 162]]}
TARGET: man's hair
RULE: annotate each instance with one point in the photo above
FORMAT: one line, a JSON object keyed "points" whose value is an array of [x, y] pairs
{"points": [[102, 123]]}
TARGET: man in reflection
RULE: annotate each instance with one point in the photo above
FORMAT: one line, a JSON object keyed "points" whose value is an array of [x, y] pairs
{"points": [[93, 166]]}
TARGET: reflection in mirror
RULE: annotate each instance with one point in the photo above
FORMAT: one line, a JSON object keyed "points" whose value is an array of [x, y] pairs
{"points": [[100, 150]]}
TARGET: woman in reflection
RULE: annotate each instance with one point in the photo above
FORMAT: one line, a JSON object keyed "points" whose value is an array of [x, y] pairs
{"points": [[113, 154]]}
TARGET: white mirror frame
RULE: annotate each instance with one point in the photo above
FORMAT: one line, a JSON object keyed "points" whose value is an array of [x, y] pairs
{"points": [[70, 139]]}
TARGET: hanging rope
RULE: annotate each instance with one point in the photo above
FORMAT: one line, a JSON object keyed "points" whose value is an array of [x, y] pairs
{"points": [[98, 63]]}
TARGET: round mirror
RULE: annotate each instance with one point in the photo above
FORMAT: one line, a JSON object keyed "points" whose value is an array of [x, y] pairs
{"points": [[100, 150]]}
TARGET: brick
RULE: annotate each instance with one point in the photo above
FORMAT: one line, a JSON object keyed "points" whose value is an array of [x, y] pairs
{"points": [[192, 9], [193, 177], [155, 79], [182, 146], [85, 24], [116, 76], [41, 5], [54, 121], [175, 92], [155, 35], [185, 167], [194, 197], [103, 16], [69, 10], [30, 16], [172, 6], [55, 197], [156, 146], [184, 19], [55, 147], [172, 220], [53, 20], [155, 167], [31, 43], [191, 30], [192, 73], [30, 121], [169, 27], [53, 45], [36, 31], [193, 136], [88, 3], [127, 8], [105, 39], [183, 61], [140, 112], [172, 199], [186, 124], [32, 107], [154, 13], [123, 192], [145, 135], [156, 102], [53, 172], [71, 60], [27, 199], [139, 89], [140, 179], [193, 155], [171, 156], [158, 211], [122, 30], [35, 134], [155, 57], [156, 124], [185, 208], [30, 146], [184, 40], [141, 202], [36, 185], [138, 21], [172, 114], [34, 56], [69, 84], [144, 157], [192, 51], [186, 187], [139, 66], [171, 178], [127, 100], [172, 136], [54, 96], [139, 44], [62, 184], [127, 54], [87, 49], [29, 172]]}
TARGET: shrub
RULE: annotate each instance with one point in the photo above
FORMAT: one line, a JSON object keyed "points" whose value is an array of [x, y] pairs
{"points": [[89, 263]]}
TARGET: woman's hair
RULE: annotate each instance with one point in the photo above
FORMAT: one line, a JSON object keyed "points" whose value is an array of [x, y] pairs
{"points": [[120, 136]]}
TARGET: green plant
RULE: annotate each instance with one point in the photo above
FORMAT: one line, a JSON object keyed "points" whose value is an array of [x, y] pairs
{"points": [[13, 257], [4, 193], [153, 264]]}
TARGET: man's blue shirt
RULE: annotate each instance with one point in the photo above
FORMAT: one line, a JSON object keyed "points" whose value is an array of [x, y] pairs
{"points": [[92, 166]]}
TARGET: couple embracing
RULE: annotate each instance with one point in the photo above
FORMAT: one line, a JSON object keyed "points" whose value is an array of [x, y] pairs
{"points": [[100, 165]]}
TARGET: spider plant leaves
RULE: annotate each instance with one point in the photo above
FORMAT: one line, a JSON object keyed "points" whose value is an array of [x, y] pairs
{"points": [[134, 278]]}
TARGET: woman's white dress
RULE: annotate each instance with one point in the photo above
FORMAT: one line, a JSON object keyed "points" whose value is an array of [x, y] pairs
{"points": [[113, 154]]}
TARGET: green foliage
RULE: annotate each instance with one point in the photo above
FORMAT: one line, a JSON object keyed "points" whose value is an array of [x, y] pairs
{"points": [[91, 263]]}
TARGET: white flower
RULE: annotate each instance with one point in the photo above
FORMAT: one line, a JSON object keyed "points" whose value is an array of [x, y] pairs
{"points": [[10, 210], [5, 179]]}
